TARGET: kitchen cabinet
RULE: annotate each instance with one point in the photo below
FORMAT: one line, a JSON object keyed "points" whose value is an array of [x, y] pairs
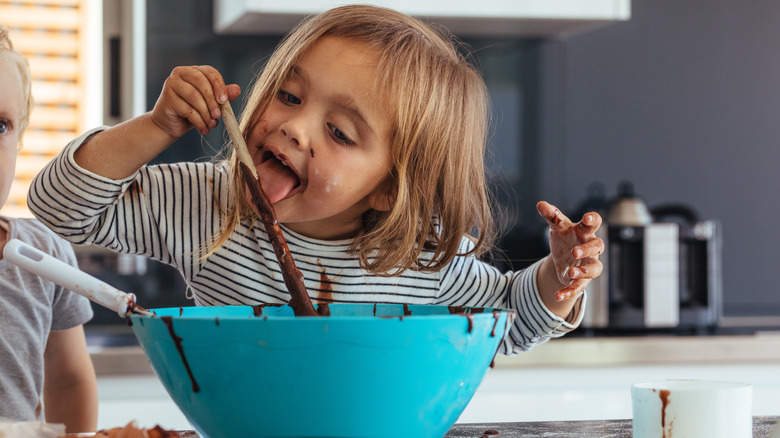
{"points": [[526, 18]]}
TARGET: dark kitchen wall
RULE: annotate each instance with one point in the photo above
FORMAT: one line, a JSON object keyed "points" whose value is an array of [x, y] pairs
{"points": [[684, 101], [179, 32]]}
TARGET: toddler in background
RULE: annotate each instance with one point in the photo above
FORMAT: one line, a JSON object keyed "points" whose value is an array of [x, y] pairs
{"points": [[46, 373], [368, 129]]}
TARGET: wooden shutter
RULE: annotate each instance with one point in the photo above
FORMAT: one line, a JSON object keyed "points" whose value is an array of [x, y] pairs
{"points": [[50, 34]]}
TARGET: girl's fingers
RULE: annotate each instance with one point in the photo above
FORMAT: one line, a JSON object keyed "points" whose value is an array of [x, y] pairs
{"points": [[590, 267], [233, 91], [203, 88], [190, 98], [579, 276], [574, 289], [215, 91], [197, 91], [590, 222], [186, 106], [555, 219], [592, 248]]}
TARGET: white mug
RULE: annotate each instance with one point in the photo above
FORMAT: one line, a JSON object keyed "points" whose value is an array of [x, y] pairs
{"points": [[692, 409]]}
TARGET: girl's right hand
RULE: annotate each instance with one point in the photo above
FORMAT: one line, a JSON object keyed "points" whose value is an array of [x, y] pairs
{"points": [[190, 98]]}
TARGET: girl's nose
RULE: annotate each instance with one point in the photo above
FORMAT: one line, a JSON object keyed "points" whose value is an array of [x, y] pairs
{"points": [[295, 131], [292, 138]]}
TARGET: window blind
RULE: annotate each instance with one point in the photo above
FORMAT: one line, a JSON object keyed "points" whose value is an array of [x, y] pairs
{"points": [[50, 34]]}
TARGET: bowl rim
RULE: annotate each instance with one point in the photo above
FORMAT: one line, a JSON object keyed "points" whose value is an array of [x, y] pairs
{"points": [[180, 313]]}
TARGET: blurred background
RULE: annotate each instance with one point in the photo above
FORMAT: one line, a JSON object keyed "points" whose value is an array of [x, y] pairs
{"points": [[658, 114], [673, 102]]}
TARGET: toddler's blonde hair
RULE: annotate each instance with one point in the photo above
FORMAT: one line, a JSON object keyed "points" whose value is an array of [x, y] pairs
{"points": [[439, 116], [9, 54]]}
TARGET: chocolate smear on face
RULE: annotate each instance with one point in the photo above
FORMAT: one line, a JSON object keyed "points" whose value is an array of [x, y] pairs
{"points": [[168, 320], [293, 279]]}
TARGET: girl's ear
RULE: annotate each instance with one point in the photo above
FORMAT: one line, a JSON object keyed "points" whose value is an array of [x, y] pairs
{"points": [[383, 197]]}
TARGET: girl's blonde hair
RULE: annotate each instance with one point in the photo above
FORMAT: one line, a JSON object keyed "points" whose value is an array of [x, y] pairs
{"points": [[438, 104], [7, 52]]}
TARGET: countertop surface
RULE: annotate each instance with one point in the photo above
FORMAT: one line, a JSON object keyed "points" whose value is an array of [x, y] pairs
{"points": [[762, 428], [759, 348]]}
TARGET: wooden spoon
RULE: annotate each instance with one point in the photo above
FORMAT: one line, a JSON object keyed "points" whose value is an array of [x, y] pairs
{"points": [[293, 279]]}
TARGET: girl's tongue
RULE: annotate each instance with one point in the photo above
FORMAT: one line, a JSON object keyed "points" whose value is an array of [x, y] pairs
{"points": [[277, 179]]}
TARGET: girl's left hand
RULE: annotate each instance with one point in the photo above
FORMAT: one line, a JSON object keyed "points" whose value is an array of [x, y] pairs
{"points": [[574, 249]]}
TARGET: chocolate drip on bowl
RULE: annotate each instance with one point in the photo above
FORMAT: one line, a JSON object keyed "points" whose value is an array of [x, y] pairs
{"points": [[168, 320]]}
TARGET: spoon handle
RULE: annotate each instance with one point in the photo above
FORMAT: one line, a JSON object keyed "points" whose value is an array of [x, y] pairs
{"points": [[239, 145], [58, 272]]}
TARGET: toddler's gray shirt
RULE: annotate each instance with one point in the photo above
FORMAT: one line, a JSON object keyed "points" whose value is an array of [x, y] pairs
{"points": [[31, 307]]}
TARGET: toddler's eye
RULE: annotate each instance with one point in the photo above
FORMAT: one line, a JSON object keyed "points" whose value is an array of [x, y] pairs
{"points": [[340, 136], [289, 98], [3, 127]]}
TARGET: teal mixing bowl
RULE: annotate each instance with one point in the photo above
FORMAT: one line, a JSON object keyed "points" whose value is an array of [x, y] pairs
{"points": [[364, 371]]}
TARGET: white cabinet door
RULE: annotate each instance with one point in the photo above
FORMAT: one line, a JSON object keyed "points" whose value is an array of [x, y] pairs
{"points": [[537, 18]]}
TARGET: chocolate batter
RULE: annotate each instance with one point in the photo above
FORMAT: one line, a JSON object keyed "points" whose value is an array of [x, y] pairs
{"points": [[293, 279]]}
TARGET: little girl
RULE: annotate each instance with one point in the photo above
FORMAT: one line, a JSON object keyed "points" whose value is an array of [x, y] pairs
{"points": [[368, 130]]}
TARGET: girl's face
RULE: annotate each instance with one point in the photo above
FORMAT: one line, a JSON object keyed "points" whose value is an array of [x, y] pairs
{"points": [[322, 148], [11, 100]]}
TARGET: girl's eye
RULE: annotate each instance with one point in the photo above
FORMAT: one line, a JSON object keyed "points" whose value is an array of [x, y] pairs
{"points": [[340, 136], [289, 98], [3, 127]]}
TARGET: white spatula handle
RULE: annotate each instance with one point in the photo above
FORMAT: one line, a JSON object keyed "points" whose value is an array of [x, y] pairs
{"points": [[58, 272]]}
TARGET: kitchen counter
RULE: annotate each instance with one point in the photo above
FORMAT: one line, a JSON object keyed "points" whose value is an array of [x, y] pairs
{"points": [[758, 348], [762, 428]]}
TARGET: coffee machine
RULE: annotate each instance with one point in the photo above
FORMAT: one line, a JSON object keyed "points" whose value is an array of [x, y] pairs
{"points": [[662, 270]]}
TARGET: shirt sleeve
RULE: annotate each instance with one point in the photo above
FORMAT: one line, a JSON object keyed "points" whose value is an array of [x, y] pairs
{"points": [[165, 212], [68, 308], [468, 281], [73, 202]]}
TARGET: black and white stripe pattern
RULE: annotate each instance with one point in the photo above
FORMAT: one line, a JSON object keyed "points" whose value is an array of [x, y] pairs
{"points": [[170, 212]]}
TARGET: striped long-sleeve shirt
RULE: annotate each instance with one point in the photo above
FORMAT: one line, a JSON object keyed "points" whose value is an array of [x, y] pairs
{"points": [[170, 212]]}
